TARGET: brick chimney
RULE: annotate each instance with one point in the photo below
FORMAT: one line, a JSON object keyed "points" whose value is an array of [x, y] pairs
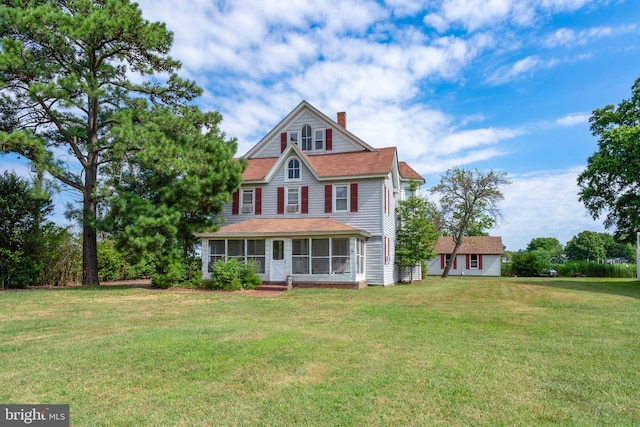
{"points": [[342, 119]]}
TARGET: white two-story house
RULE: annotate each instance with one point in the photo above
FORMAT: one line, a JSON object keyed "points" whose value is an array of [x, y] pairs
{"points": [[316, 205]]}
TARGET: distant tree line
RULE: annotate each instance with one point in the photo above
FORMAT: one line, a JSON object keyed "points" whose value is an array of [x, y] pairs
{"points": [[588, 253]]}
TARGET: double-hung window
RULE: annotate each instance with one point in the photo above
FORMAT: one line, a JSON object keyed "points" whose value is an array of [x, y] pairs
{"points": [[318, 139], [341, 198], [247, 200], [293, 199], [473, 261]]}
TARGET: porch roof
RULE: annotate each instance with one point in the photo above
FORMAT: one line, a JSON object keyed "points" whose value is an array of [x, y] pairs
{"points": [[271, 227]]}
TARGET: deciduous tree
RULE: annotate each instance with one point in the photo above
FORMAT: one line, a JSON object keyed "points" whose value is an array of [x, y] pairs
{"points": [[416, 235], [587, 245], [610, 185], [468, 197]]}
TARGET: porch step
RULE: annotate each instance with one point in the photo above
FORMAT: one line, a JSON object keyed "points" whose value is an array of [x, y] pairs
{"points": [[271, 288]]}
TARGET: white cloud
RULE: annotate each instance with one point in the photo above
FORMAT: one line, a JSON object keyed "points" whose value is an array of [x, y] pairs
{"points": [[573, 119], [543, 204], [523, 67], [569, 37]]}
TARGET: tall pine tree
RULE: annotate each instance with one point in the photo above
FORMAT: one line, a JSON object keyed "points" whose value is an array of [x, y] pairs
{"points": [[73, 73]]}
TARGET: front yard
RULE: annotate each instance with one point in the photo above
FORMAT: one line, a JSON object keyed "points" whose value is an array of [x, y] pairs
{"points": [[460, 351]]}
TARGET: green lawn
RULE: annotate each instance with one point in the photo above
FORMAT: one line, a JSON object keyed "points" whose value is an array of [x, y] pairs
{"points": [[459, 351]]}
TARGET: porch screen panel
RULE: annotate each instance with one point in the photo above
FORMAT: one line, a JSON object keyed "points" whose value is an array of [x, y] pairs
{"points": [[320, 256], [256, 254], [235, 249], [216, 252], [340, 256], [300, 256]]}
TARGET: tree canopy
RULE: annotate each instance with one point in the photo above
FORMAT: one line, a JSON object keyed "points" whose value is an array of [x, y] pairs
{"points": [[23, 211], [610, 185], [78, 80], [416, 235], [468, 201]]}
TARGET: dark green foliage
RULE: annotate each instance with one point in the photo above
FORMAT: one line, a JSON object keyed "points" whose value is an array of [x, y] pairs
{"points": [[527, 264], [82, 80], [176, 183], [549, 245], [609, 185], [23, 231], [595, 269], [117, 264], [416, 235], [587, 245], [230, 275]]}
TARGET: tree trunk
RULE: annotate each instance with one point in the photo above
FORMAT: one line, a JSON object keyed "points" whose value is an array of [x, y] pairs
{"points": [[89, 234], [453, 256]]}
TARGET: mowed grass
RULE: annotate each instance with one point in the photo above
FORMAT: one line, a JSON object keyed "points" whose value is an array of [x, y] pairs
{"points": [[460, 351]]}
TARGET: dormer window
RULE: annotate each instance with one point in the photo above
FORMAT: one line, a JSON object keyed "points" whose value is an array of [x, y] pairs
{"points": [[293, 169], [307, 139]]}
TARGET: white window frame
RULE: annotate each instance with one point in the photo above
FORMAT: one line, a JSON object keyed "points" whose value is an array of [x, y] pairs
{"points": [[247, 207], [308, 140], [287, 169], [335, 197], [316, 140], [293, 137], [289, 203], [474, 264]]}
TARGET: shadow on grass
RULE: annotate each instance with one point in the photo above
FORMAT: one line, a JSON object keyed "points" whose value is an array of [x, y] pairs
{"points": [[623, 287]]}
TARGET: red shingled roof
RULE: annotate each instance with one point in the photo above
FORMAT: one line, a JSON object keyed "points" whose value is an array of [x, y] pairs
{"points": [[408, 172], [333, 165], [481, 245], [285, 226]]}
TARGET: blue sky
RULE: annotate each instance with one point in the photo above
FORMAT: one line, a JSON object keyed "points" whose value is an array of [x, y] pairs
{"points": [[489, 84]]}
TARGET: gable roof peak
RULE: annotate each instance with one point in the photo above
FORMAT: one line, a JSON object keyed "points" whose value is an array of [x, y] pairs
{"points": [[337, 126]]}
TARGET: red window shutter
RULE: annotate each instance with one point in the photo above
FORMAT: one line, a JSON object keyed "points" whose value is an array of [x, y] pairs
{"points": [[235, 206], [329, 139], [305, 200], [283, 141], [328, 198], [455, 263], [258, 201], [443, 258], [354, 197], [386, 249], [468, 261], [280, 200], [480, 262], [385, 200]]}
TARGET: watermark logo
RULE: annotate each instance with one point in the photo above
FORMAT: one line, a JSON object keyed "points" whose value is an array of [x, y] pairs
{"points": [[34, 415]]}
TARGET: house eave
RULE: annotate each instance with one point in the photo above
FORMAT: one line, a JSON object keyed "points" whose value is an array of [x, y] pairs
{"points": [[361, 233]]}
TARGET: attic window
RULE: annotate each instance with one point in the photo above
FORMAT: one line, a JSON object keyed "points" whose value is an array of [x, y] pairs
{"points": [[293, 170], [307, 138]]}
